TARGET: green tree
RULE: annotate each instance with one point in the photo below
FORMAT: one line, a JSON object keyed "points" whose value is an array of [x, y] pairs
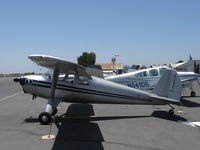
{"points": [[87, 59]]}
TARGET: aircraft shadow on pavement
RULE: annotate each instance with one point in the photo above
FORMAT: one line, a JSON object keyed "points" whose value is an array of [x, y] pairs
{"points": [[76, 116], [76, 134], [188, 103], [77, 131], [165, 115], [31, 120]]}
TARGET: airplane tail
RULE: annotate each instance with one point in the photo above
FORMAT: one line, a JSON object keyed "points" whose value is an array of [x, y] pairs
{"points": [[169, 85]]}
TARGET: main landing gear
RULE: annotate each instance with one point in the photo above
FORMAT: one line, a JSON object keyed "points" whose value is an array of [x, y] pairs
{"points": [[171, 111], [51, 110], [46, 118], [193, 93]]}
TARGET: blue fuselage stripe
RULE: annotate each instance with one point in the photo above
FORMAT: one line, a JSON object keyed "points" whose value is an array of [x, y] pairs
{"points": [[82, 90]]}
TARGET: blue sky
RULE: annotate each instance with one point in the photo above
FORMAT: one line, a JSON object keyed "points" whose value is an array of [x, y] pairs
{"points": [[141, 31]]}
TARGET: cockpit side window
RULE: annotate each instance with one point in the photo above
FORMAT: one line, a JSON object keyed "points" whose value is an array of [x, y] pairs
{"points": [[161, 70], [141, 74], [73, 79], [67, 78], [153, 72], [61, 77], [83, 81]]}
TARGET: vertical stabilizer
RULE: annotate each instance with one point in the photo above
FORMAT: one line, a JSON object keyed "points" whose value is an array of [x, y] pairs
{"points": [[169, 85]]}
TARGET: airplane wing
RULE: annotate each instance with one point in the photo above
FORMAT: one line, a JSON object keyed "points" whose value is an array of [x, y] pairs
{"points": [[190, 79], [63, 65]]}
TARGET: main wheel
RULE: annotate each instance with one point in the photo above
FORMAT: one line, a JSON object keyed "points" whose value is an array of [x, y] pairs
{"points": [[45, 118], [171, 112], [54, 112], [193, 94]]}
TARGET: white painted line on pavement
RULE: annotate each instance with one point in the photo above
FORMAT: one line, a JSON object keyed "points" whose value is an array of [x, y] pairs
{"points": [[10, 96], [192, 124]]}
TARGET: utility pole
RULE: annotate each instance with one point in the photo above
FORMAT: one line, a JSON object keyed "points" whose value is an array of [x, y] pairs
{"points": [[114, 61]]}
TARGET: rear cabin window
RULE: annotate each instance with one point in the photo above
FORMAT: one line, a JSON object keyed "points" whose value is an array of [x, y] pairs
{"points": [[141, 74], [153, 72], [83, 81], [161, 70]]}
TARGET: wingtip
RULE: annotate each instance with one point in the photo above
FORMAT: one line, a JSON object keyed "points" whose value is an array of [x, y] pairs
{"points": [[36, 55]]}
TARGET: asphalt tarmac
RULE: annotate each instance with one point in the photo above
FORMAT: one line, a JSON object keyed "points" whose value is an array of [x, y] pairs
{"points": [[96, 126]]}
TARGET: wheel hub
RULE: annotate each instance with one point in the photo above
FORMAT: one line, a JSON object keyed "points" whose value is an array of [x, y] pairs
{"points": [[44, 118]]}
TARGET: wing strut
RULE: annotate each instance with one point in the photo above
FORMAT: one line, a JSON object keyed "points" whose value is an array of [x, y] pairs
{"points": [[51, 101], [54, 82]]}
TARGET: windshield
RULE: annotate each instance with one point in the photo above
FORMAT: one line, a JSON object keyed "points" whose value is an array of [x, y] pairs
{"points": [[48, 74]]}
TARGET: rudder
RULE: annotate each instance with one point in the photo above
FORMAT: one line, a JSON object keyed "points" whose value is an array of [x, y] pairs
{"points": [[169, 85]]}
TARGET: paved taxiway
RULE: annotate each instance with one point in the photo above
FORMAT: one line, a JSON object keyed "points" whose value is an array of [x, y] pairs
{"points": [[97, 126]]}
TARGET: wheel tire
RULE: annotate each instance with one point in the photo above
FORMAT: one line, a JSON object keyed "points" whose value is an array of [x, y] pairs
{"points": [[193, 94], [45, 118], [171, 112], [54, 112]]}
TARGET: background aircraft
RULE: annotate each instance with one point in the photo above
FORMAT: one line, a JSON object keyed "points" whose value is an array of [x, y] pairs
{"points": [[146, 79], [89, 89]]}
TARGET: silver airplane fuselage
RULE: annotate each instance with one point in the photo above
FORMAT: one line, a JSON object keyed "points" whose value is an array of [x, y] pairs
{"points": [[87, 91]]}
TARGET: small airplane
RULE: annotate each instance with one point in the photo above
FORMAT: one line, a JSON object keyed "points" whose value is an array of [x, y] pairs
{"points": [[146, 79], [85, 88]]}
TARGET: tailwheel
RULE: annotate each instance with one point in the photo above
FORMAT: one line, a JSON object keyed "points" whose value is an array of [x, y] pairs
{"points": [[45, 118], [54, 112], [171, 112], [193, 94]]}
